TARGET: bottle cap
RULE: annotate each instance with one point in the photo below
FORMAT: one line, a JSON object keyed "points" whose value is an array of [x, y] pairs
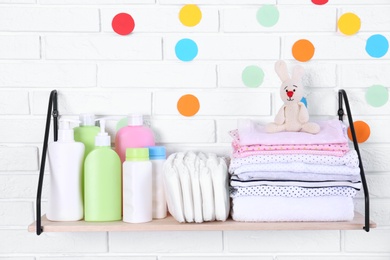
{"points": [[87, 119], [137, 154], [135, 120], [102, 138], [157, 152]]}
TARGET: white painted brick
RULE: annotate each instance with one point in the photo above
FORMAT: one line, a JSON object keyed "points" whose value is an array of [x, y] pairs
{"points": [[96, 102], [283, 241], [20, 241], [161, 19], [95, 2], [157, 75], [100, 258], [22, 130], [244, 20], [227, 46], [16, 213], [166, 242], [373, 18], [320, 75], [364, 75], [14, 102], [17, 186], [335, 47], [338, 2], [333, 257], [378, 185], [375, 159], [216, 2], [379, 210], [317, 99], [215, 103], [377, 240], [104, 47], [17, 1], [184, 131], [31, 19], [17, 258], [53, 75], [20, 47], [24, 158], [217, 258]]}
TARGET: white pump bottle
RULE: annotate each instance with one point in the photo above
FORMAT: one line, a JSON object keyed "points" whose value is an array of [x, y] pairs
{"points": [[66, 159]]}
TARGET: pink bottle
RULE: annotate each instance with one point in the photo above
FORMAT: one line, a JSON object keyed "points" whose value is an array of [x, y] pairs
{"points": [[135, 135]]}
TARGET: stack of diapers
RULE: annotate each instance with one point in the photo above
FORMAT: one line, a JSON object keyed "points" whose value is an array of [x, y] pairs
{"points": [[197, 187], [293, 176]]}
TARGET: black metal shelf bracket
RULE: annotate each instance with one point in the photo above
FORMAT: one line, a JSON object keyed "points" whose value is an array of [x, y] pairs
{"points": [[343, 97], [51, 111]]}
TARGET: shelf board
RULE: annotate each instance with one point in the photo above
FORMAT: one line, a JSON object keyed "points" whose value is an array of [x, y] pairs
{"points": [[170, 224]]}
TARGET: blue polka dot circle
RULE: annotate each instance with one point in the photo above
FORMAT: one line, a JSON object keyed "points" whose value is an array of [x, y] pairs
{"points": [[186, 50], [377, 46]]}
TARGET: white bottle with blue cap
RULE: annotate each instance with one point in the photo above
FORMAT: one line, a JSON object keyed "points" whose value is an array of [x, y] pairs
{"points": [[157, 155], [66, 162]]}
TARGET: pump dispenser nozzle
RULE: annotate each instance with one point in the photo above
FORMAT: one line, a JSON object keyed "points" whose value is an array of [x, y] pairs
{"points": [[65, 133], [87, 119], [102, 138]]}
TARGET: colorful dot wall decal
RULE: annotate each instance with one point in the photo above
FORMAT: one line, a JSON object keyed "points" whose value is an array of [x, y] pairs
{"points": [[377, 95], [123, 24], [377, 46], [349, 24], [319, 2], [188, 105], [303, 50], [252, 76], [190, 15], [362, 131], [267, 15], [304, 101], [186, 50]]}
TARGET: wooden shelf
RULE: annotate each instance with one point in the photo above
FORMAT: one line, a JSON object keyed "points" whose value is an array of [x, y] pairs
{"points": [[170, 224]]}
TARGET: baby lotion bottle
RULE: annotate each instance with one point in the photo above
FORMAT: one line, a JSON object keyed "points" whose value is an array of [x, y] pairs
{"points": [[134, 135], [102, 181], [157, 156], [137, 186], [65, 159]]}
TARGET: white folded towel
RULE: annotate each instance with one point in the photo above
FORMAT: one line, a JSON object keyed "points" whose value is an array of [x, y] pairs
{"points": [[255, 209]]}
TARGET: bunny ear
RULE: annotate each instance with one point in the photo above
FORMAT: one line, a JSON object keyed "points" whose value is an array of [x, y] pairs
{"points": [[298, 72], [281, 70]]}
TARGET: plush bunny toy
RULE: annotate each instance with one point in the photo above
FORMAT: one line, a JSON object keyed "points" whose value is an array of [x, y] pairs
{"points": [[293, 115]]}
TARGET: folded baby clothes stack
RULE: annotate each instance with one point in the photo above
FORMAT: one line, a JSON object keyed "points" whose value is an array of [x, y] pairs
{"points": [[197, 187], [293, 176]]}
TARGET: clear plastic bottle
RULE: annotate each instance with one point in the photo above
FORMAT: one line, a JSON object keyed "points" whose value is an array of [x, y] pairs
{"points": [[65, 159], [157, 156], [102, 181], [134, 135], [137, 186]]}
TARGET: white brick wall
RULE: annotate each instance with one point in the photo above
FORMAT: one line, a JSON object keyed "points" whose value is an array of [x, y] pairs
{"points": [[69, 45]]}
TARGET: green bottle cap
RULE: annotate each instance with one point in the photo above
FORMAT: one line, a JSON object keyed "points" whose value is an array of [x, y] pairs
{"points": [[137, 154]]}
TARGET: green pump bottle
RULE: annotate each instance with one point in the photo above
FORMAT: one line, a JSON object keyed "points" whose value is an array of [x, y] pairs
{"points": [[102, 181]]}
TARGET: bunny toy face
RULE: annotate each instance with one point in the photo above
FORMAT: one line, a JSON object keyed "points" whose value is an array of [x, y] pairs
{"points": [[291, 90]]}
